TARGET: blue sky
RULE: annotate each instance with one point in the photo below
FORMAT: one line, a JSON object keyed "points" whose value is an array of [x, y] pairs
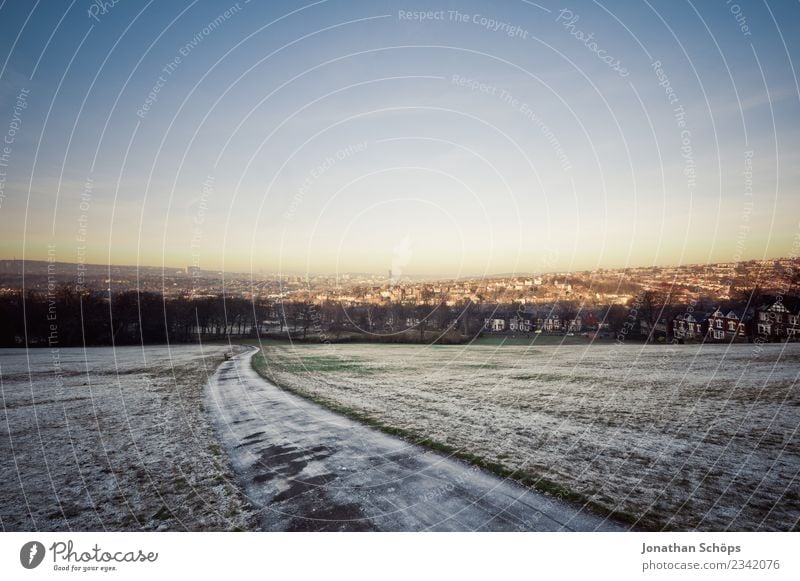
{"points": [[351, 136]]}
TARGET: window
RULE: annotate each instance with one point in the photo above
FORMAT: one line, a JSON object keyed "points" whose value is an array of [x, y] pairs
{"points": [[731, 325], [718, 323], [719, 334]]}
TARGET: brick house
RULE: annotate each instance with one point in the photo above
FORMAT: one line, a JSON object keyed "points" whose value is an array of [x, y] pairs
{"points": [[776, 322], [685, 327], [727, 328]]}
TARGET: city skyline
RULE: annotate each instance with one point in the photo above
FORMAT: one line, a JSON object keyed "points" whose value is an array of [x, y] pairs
{"points": [[435, 140], [427, 266]]}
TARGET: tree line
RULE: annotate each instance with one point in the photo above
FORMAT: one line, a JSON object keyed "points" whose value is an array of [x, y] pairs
{"points": [[67, 318]]}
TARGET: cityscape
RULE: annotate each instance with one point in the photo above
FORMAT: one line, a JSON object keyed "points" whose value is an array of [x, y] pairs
{"points": [[752, 301], [683, 284], [377, 267]]}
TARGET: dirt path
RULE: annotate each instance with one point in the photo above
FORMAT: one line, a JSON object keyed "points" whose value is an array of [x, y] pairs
{"points": [[307, 468]]}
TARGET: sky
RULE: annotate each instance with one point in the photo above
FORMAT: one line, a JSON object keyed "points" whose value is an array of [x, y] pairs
{"points": [[420, 138]]}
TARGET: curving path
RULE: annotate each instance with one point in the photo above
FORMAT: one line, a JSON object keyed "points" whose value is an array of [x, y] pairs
{"points": [[306, 468]]}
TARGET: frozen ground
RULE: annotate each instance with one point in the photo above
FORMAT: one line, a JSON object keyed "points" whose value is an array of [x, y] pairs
{"points": [[682, 437], [306, 468], [112, 439]]}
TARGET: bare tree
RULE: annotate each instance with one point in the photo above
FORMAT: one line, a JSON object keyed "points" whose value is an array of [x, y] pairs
{"points": [[651, 310]]}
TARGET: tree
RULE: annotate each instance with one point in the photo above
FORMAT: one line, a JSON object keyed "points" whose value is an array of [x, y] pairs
{"points": [[615, 317], [651, 308], [749, 297], [567, 311]]}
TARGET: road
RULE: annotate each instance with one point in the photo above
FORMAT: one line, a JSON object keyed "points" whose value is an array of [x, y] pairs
{"points": [[306, 468]]}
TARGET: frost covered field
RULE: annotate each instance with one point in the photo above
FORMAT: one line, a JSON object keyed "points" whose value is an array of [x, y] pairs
{"points": [[112, 439], [679, 437]]}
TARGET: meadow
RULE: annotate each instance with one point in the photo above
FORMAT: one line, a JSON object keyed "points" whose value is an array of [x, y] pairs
{"points": [[683, 437]]}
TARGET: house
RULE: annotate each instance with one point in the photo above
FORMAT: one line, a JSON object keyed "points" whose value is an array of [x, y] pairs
{"points": [[685, 327], [655, 331], [502, 322], [592, 323], [518, 323], [574, 325], [776, 322], [549, 324], [494, 324], [721, 327]]}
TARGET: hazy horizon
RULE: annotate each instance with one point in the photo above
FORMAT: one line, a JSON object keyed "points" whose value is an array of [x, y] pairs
{"points": [[353, 137], [409, 275]]}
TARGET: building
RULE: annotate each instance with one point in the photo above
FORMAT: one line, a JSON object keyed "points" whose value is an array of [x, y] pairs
{"points": [[727, 328], [519, 324], [494, 324], [549, 324], [777, 322], [685, 327]]}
